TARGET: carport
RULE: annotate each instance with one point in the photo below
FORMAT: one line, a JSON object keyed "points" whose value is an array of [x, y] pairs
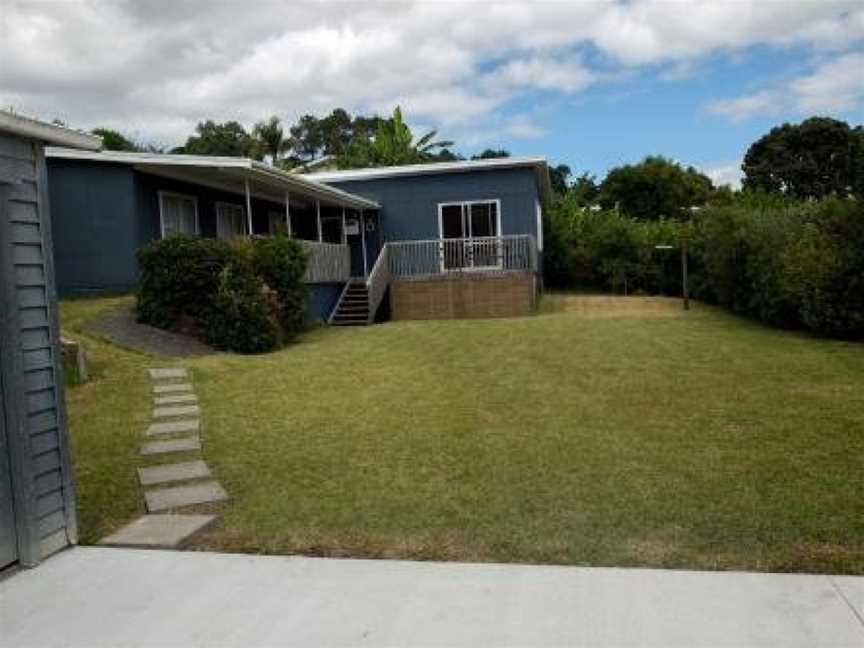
{"points": [[37, 508]]}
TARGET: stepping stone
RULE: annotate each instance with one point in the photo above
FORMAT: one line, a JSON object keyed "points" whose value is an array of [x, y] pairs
{"points": [[173, 472], [165, 374], [159, 531], [174, 427], [185, 410], [186, 444], [175, 400], [168, 498], [172, 388]]}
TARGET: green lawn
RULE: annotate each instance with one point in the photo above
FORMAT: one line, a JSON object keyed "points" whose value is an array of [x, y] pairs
{"points": [[603, 431]]}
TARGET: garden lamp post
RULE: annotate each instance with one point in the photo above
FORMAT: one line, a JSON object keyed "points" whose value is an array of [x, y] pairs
{"points": [[685, 289]]}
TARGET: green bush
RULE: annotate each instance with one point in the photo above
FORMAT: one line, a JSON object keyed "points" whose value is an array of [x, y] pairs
{"points": [[178, 276], [788, 263], [243, 313], [281, 263], [245, 295]]}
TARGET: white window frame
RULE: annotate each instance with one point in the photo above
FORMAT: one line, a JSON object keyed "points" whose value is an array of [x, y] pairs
{"points": [[243, 217], [173, 194], [463, 204]]}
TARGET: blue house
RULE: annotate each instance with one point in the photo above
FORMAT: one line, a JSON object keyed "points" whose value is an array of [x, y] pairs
{"points": [[456, 239]]}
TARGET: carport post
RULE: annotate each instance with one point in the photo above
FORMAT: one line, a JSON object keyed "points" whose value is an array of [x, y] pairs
{"points": [[248, 206], [288, 213], [318, 213], [363, 243], [344, 233]]}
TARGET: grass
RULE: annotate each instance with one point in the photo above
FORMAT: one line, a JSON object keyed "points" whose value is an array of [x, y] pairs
{"points": [[602, 431]]}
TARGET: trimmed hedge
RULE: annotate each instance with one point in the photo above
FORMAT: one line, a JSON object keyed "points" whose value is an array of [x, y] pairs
{"points": [[244, 295], [791, 264]]}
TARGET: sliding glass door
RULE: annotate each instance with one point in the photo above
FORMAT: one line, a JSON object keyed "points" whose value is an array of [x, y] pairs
{"points": [[469, 235]]}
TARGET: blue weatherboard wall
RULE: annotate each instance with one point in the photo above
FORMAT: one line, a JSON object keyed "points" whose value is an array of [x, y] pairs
{"points": [[96, 230], [409, 205], [321, 300], [102, 213]]}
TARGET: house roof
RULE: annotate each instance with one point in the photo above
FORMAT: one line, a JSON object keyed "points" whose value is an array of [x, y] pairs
{"points": [[538, 164], [47, 133], [229, 173]]}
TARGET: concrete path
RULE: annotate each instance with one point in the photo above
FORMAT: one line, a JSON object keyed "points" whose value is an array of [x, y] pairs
{"points": [[120, 327], [125, 597]]}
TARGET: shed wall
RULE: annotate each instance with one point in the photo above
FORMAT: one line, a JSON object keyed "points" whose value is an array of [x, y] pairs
{"points": [[33, 387]]}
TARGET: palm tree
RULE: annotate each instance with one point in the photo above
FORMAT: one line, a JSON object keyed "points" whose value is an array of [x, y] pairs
{"points": [[392, 145], [270, 138]]}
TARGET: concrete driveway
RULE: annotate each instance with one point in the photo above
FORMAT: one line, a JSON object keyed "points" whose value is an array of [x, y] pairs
{"points": [[125, 597]]}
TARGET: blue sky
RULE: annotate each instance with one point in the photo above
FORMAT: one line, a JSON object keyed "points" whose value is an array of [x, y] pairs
{"points": [[591, 83]]}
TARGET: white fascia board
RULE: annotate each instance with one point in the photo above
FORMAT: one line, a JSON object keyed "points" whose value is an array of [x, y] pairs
{"points": [[426, 169], [47, 133]]}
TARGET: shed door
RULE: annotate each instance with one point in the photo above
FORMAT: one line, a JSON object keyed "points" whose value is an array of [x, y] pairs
{"points": [[8, 536]]}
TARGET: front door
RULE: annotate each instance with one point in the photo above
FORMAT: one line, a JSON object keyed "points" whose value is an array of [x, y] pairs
{"points": [[8, 534]]}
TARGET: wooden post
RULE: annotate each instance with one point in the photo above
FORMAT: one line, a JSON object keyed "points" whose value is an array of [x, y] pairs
{"points": [[344, 233], [363, 243], [248, 207], [318, 213], [685, 289], [288, 214]]}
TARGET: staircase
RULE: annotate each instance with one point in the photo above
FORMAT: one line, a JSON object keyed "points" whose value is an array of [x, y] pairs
{"points": [[353, 306]]}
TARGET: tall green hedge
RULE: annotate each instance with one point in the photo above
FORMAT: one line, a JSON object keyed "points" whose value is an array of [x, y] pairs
{"points": [[789, 263], [245, 295]]}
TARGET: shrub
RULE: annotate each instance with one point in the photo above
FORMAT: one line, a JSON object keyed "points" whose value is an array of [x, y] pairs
{"points": [[178, 277], [243, 313], [281, 263], [245, 295]]}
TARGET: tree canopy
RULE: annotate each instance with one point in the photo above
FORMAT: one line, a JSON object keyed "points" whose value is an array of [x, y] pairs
{"points": [[229, 139], [269, 136], [113, 140], [393, 144], [818, 157], [654, 188], [491, 154]]}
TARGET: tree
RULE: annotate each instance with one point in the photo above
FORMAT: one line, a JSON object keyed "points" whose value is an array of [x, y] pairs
{"points": [[112, 140], [489, 154], [311, 137], [269, 137], [393, 144], [585, 190], [818, 157], [229, 139], [558, 177], [655, 188]]}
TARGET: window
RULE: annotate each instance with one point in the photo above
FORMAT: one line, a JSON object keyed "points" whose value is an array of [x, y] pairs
{"points": [[230, 220], [178, 214], [469, 232]]}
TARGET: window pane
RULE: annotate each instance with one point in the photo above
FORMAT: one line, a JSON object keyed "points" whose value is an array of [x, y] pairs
{"points": [[482, 219], [451, 222]]}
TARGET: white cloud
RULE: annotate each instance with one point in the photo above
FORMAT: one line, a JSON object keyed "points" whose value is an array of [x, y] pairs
{"points": [[724, 173], [158, 67], [836, 85]]}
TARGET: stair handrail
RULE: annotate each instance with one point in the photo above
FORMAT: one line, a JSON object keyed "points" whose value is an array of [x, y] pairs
{"points": [[339, 302], [378, 281]]}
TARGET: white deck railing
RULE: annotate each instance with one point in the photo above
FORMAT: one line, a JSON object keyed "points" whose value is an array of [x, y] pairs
{"points": [[328, 262], [412, 259], [378, 280]]}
